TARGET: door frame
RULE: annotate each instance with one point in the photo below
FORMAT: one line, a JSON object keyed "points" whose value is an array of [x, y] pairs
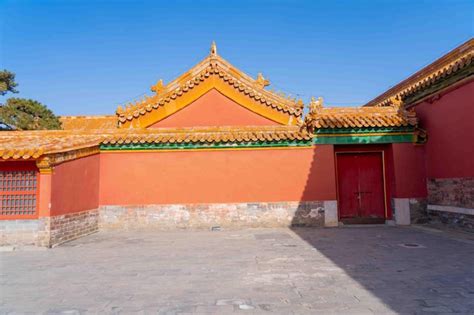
{"points": [[384, 182]]}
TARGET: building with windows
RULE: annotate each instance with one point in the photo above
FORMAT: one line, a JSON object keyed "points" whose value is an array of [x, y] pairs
{"points": [[216, 147]]}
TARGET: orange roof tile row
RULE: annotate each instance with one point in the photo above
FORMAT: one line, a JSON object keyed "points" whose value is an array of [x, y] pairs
{"points": [[88, 122], [211, 66], [360, 117], [32, 144], [203, 135], [455, 61]]}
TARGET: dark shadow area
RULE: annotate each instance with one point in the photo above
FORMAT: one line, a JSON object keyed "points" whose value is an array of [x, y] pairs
{"points": [[405, 268]]}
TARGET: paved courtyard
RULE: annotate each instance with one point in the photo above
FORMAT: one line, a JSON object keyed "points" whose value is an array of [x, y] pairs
{"points": [[364, 270]]}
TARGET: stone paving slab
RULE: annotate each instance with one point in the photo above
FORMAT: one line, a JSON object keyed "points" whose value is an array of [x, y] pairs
{"points": [[252, 271]]}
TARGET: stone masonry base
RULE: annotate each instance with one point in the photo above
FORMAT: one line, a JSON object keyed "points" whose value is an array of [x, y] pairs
{"points": [[409, 211], [70, 226], [452, 192], [451, 201], [231, 215], [25, 232], [48, 231]]}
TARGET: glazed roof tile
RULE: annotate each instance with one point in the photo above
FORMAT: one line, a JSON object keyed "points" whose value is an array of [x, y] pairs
{"points": [[456, 60], [359, 117], [88, 122], [18, 145], [208, 135], [211, 66], [26, 145]]}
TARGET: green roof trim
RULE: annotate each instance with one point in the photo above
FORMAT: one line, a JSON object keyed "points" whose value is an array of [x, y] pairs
{"points": [[321, 136], [194, 146], [364, 135], [364, 139]]}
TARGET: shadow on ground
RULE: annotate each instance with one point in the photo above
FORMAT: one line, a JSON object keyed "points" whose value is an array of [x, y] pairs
{"points": [[407, 270]]}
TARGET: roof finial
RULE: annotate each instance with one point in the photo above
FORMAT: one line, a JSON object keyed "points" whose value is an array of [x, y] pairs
{"points": [[316, 105], [396, 102], [213, 49], [262, 81], [158, 87]]}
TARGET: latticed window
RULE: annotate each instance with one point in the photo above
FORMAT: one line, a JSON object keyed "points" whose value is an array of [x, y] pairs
{"points": [[18, 192]]}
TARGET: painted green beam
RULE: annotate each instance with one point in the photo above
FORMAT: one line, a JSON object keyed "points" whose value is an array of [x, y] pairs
{"points": [[194, 146], [359, 139]]}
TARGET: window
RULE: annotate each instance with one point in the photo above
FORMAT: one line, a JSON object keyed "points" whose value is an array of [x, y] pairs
{"points": [[18, 192]]}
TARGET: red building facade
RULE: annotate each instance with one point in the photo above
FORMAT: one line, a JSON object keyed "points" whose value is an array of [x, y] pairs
{"points": [[215, 147]]}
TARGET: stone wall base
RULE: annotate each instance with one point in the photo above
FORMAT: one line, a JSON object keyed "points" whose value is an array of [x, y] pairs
{"points": [[455, 217], [451, 201], [71, 226], [24, 232], [453, 192], [48, 231], [418, 211], [229, 215], [410, 211]]}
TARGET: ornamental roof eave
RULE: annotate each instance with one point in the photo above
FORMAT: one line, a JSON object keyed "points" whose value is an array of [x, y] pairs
{"points": [[96, 122], [214, 66], [454, 62], [207, 135], [27, 145], [31, 145], [393, 116]]}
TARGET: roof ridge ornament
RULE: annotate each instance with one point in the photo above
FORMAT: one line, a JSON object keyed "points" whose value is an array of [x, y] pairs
{"points": [[158, 87], [316, 105], [396, 102], [299, 103], [213, 49], [261, 81], [409, 115]]}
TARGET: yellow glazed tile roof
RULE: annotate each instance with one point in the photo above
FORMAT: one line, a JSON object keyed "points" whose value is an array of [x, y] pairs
{"points": [[212, 67], [33, 144], [454, 61], [208, 135], [359, 117], [26, 145], [88, 122]]}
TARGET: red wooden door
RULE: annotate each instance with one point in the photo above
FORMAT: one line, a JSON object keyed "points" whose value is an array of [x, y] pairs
{"points": [[360, 187]]}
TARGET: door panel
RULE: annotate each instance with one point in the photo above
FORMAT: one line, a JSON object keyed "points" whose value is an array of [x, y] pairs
{"points": [[360, 186], [348, 185], [371, 191]]}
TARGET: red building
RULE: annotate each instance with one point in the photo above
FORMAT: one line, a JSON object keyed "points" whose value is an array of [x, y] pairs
{"points": [[215, 147]]}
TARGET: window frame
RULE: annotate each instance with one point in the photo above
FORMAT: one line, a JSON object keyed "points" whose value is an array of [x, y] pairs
{"points": [[22, 166]]}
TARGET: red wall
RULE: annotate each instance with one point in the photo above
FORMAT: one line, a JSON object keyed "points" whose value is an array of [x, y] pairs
{"points": [[75, 185], [450, 125], [213, 109], [217, 176], [409, 170]]}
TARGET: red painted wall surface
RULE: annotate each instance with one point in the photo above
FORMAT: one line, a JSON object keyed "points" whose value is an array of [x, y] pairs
{"points": [[213, 109], [75, 186], [409, 170], [217, 176], [450, 125]]}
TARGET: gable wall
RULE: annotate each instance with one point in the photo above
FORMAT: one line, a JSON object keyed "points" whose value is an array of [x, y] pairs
{"points": [[213, 109]]}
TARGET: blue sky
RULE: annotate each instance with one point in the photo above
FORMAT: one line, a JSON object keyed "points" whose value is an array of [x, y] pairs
{"points": [[87, 57]]}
